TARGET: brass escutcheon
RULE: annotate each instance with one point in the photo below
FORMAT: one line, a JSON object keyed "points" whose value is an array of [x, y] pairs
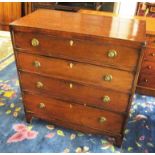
{"points": [[35, 42], [112, 53]]}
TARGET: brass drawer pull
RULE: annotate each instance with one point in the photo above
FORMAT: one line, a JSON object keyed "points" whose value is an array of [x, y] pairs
{"points": [[36, 64], [112, 53], [102, 120], [71, 85], [39, 84], [35, 42], [41, 105], [71, 42], [106, 99], [108, 77]]}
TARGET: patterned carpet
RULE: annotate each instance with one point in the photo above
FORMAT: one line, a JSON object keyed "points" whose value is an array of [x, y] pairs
{"points": [[18, 136]]}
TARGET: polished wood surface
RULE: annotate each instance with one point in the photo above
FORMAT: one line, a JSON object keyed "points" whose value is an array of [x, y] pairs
{"points": [[79, 93], [148, 67], [149, 54], [102, 27], [99, 51], [146, 82], [89, 74], [9, 11], [76, 69], [150, 22], [145, 88], [74, 113]]}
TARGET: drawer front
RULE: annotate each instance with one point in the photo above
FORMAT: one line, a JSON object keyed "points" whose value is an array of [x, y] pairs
{"points": [[146, 80], [74, 113], [75, 92], [80, 50], [148, 67], [149, 54], [151, 41], [89, 74]]}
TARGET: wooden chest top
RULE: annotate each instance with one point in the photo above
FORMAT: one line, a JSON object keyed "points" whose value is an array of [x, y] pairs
{"points": [[83, 25]]}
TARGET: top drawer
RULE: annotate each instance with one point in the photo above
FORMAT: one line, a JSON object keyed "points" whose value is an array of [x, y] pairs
{"points": [[78, 50]]}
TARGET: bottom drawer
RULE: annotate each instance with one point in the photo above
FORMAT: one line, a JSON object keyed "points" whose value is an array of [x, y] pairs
{"points": [[146, 80], [73, 113]]}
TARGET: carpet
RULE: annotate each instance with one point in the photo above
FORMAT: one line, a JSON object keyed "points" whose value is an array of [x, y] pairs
{"points": [[41, 137]]}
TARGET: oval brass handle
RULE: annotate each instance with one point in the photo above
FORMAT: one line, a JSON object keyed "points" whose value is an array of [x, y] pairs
{"points": [[71, 42], [36, 64], [106, 99], [39, 84], [102, 120], [112, 53], [35, 42], [41, 105], [108, 77]]}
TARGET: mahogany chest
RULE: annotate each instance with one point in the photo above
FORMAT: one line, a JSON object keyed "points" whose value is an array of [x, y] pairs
{"points": [[78, 71], [146, 81]]}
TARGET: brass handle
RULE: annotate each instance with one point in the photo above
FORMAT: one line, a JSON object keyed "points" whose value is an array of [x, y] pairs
{"points": [[112, 53], [102, 120], [36, 64], [41, 105], [71, 42], [153, 54], [35, 42], [108, 77], [39, 85], [106, 99], [71, 85]]}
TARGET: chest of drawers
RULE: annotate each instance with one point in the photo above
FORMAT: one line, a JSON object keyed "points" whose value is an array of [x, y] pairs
{"points": [[146, 81], [78, 71]]}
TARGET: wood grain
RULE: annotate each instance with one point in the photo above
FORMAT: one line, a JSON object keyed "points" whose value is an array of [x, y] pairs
{"points": [[83, 73], [73, 113], [99, 51], [9, 11], [72, 76], [81, 94], [58, 22]]}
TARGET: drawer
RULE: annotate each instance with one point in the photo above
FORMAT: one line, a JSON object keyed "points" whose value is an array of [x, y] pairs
{"points": [[151, 41], [89, 74], [74, 92], [149, 54], [78, 50], [73, 113], [146, 80], [148, 67]]}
